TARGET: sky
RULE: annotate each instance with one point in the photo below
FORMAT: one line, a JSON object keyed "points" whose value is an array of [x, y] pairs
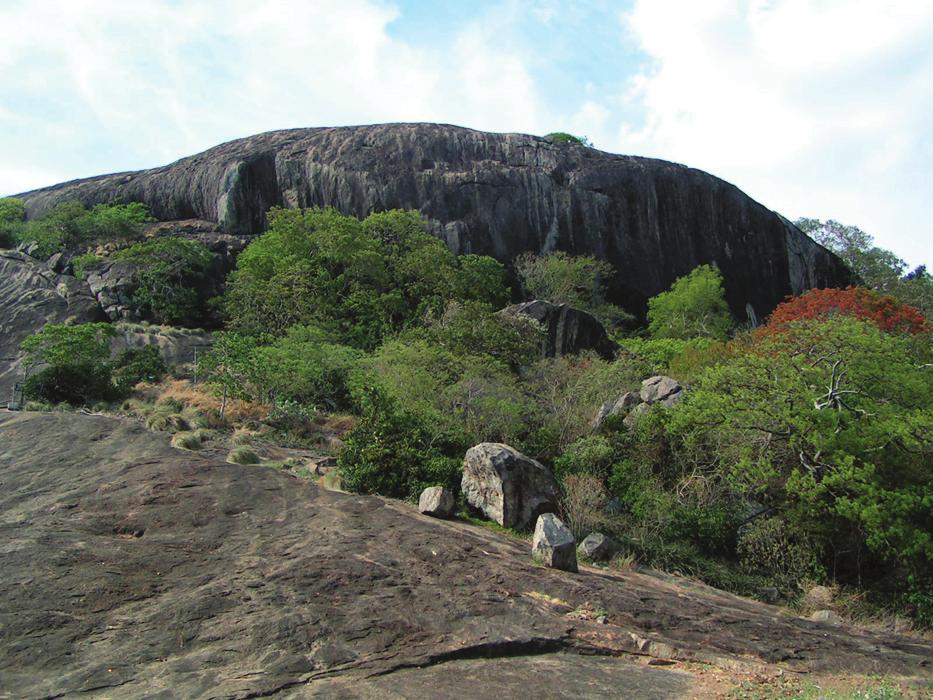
{"points": [[815, 108]]}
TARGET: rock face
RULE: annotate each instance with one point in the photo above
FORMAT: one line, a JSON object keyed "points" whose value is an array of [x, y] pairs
{"points": [[553, 544], [569, 330], [507, 486], [32, 295], [134, 570], [436, 501], [494, 194]]}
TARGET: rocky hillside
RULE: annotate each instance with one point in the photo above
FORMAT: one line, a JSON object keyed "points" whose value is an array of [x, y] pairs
{"points": [[131, 569], [494, 194]]}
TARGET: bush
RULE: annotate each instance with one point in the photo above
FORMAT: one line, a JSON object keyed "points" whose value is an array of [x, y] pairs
{"points": [[12, 221], [78, 370], [582, 504], [80, 263], [69, 224], [392, 452], [695, 306], [591, 455], [186, 440], [766, 547], [135, 365], [564, 137]]}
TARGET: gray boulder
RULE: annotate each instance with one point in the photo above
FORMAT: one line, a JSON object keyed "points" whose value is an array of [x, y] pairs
{"points": [[826, 616], [507, 486], [597, 547], [569, 330], [436, 501], [113, 283], [553, 544], [657, 389], [621, 406]]}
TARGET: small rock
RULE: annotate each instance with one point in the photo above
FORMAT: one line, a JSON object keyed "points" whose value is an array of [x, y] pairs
{"points": [[620, 406], [597, 547], [553, 544], [323, 465], [826, 616], [657, 388], [437, 502]]}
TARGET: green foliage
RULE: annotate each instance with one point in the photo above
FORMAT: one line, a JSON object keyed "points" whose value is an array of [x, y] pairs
{"points": [[831, 424], [564, 137], [695, 306], [392, 451], [134, 365], [357, 280], [169, 271], [69, 224], [231, 367], [577, 280], [77, 368], [80, 263], [306, 367], [12, 221]]}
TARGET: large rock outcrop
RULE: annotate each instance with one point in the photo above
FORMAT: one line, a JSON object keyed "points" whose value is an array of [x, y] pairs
{"points": [[495, 194], [31, 295], [568, 331]]}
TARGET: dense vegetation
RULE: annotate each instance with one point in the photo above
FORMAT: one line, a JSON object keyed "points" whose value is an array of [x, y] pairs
{"points": [[800, 453]]}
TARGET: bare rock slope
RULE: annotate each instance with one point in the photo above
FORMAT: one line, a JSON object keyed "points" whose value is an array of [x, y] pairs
{"points": [[133, 570], [494, 194]]}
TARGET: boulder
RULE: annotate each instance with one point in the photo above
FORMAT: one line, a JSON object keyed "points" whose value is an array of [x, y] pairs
{"points": [[597, 547], [631, 420], [826, 616], [437, 501], [657, 389], [568, 330], [621, 406], [492, 194], [553, 544], [507, 486], [113, 284]]}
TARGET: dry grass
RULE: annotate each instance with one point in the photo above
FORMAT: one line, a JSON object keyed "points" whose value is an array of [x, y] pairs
{"points": [[339, 424], [243, 455], [243, 436], [200, 398], [187, 440]]}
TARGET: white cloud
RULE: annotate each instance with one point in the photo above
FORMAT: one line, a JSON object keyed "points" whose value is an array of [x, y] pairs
{"points": [[815, 108], [95, 86]]}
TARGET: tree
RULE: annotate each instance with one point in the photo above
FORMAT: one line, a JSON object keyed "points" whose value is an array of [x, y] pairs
{"points": [[564, 137], [69, 224], [876, 267], [231, 367], [75, 360], [168, 274], [884, 311], [12, 218], [694, 307]]}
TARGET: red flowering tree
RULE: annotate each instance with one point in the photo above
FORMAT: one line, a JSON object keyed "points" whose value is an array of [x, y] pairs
{"points": [[884, 311]]}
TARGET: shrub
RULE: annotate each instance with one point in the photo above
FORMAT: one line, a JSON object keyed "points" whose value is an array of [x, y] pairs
{"points": [[77, 356], [564, 137], [392, 452], [591, 454], [766, 547], [80, 263], [581, 506], [186, 440], [695, 306], [69, 224], [134, 365]]}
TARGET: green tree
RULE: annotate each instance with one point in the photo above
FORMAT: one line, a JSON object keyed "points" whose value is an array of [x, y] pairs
{"points": [[70, 224], [73, 361], [564, 137], [12, 221], [694, 307], [169, 272], [231, 367]]}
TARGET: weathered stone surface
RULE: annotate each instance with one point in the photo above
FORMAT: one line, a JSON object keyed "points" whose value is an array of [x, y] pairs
{"points": [[826, 616], [177, 346], [620, 406], [597, 547], [142, 571], [495, 194], [553, 544], [437, 502], [569, 330], [507, 486], [656, 389], [31, 295]]}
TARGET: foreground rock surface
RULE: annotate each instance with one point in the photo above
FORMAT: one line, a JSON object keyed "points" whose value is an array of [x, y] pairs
{"points": [[553, 544], [507, 486], [134, 570], [493, 194]]}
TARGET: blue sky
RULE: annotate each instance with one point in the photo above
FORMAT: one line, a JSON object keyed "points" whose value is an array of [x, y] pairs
{"points": [[820, 108]]}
